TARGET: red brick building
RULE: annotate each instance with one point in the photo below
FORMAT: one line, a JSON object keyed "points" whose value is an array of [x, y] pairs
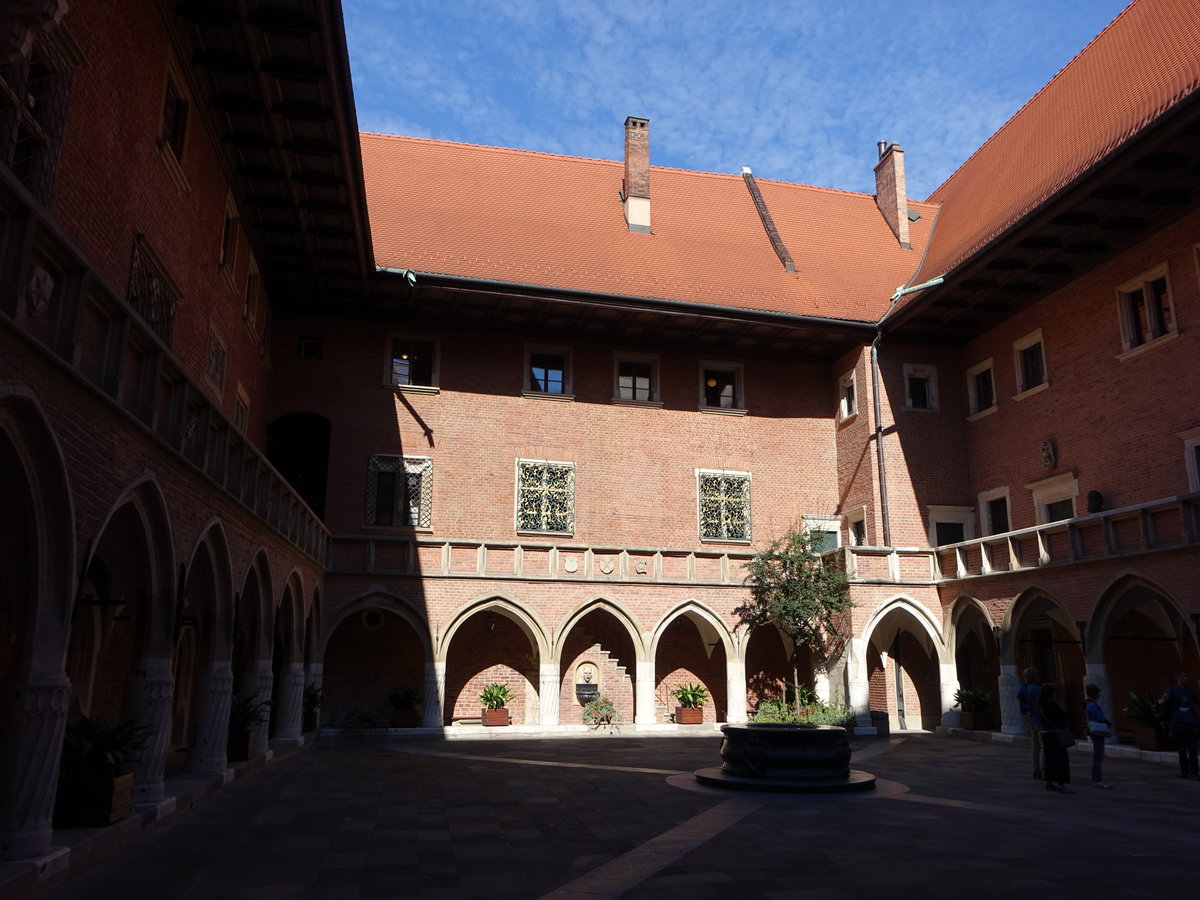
{"points": [[286, 405]]}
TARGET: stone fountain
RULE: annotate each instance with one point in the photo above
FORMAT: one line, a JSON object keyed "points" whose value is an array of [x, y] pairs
{"points": [[802, 759]]}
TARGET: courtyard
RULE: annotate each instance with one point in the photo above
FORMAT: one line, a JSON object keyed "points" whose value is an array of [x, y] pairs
{"points": [[621, 816]]}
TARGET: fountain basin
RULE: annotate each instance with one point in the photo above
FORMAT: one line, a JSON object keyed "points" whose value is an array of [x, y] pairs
{"points": [[786, 758]]}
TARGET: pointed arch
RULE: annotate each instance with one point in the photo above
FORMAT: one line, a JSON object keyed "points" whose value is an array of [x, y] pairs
{"points": [[932, 633], [507, 606], [1130, 590], [601, 604], [706, 620], [393, 603]]}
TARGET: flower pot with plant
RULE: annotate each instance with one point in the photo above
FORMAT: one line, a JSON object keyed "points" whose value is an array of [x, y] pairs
{"points": [[404, 700], [691, 699], [976, 708], [493, 697], [1150, 724], [598, 712], [313, 695], [96, 777], [246, 714]]}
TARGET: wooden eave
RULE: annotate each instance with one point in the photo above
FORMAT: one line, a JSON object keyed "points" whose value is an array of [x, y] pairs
{"points": [[1151, 181], [274, 81]]}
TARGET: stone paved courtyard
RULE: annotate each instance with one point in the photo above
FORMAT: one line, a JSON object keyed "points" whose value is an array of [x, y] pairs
{"points": [[621, 816]]}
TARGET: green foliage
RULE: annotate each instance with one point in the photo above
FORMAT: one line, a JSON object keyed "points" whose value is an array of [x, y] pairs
{"points": [[599, 711], [364, 715], [690, 696], [1146, 710], [246, 713], [313, 695], [801, 594], [777, 712], [495, 696], [774, 712], [803, 695], [93, 749], [404, 696], [973, 700]]}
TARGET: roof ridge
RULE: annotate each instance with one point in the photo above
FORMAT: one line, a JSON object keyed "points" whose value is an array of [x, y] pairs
{"points": [[1028, 103]]}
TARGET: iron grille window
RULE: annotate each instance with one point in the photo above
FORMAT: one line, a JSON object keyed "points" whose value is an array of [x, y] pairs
{"points": [[724, 506], [151, 292], [546, 497], [399, 491], [34, 90]]}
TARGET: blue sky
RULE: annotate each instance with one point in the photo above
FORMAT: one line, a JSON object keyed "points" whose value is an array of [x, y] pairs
{"points": [[799, 91]]}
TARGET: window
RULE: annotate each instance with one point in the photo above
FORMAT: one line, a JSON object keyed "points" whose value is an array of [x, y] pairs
{"points": [[993, 507], [724, 505], [825, 531], [637, 379], [545, 497], [1054, 498], [920, 387], [413, 362], [311, 348], [1030, 363], [856, 527], [241, 409], [1146, 309], [547, 371], [848, 400], [950, 524], [1191, 450], [172, 134], [253, 298], [227, 256], [981, 391], [151, 291], [721, 386], [399, 491], [217, 362]]}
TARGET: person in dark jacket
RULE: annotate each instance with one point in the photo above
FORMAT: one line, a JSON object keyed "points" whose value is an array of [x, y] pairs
{"points": [[1056, 767], [1180, 702]]}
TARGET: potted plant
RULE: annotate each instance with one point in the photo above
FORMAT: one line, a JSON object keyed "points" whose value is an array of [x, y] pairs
{"points": [[1150, 725], [96, 777], [245, 715], [598, 711], [493, 697], [691, 699], [404, 700], [976, 707], [313, 695]]}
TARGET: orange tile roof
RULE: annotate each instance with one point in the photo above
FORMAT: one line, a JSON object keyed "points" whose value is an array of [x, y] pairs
{"points": [[1142, 64], [556, 221]]}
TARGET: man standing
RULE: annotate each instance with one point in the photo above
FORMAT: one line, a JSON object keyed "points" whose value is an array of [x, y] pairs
{"points": [[1029, 695], [1180, 701]]}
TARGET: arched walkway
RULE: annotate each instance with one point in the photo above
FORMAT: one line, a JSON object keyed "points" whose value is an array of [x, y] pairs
{"points": [[693, 646], [904, 665], [598, 653]]}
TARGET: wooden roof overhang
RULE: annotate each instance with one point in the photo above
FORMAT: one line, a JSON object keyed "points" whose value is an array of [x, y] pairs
{"points": [[550, 314], [274, 82], [1149, 182]]}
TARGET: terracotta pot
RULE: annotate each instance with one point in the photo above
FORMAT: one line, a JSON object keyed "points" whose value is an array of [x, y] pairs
{"points": [[94, 804], [493, 717], [1147, 738], [975, 721], [689, 715]]}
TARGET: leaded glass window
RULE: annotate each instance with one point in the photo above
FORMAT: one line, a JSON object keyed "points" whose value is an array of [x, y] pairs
{"points": [[545, 497], [724, 506], [151, 292], [399, 491]]}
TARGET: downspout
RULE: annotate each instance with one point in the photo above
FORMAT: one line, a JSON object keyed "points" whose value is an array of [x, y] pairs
{"points": [[901, 291]]}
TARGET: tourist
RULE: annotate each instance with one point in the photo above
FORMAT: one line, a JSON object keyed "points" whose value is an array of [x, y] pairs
{"points": [[1099, 730], [1056, 738], [1180, 701], [1028, 695]]}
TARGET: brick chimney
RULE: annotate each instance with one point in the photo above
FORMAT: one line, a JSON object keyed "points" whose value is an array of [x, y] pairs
{"points": [[635, 190], [891, 193]]}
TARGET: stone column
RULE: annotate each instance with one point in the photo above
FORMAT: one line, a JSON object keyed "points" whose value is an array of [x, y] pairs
{"points": [[735, 689], [152, 689], [1010, 710], [1097, 673], [548, 686], [215, 692], [435, 694], [950, 685], [643, 701], [33, 717], [860, 685], [291, 707], [264, 684]]}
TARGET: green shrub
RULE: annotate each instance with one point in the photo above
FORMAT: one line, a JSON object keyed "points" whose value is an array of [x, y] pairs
{"points": [[364, 715], [495, 695], [690, 696]]}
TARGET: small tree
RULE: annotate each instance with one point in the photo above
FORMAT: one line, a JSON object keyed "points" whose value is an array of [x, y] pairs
{"points": [[794, 589]]}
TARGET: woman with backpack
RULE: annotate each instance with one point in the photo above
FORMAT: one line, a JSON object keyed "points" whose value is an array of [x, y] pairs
{"points": [[1180, 701]]}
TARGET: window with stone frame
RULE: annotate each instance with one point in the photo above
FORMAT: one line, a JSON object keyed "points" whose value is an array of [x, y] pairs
{"points": [[34, 92], [1146, 310], [548, 372], [723, 500], [217, 362], [399, 491], [721, 386], [545, 496], [1029, 359], [981, 388], [920, 387], [847, 396], [151, 292], [413, 362]]}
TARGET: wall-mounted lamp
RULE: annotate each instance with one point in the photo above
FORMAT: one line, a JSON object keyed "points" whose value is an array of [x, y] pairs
{"points": [[489, 622]]}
